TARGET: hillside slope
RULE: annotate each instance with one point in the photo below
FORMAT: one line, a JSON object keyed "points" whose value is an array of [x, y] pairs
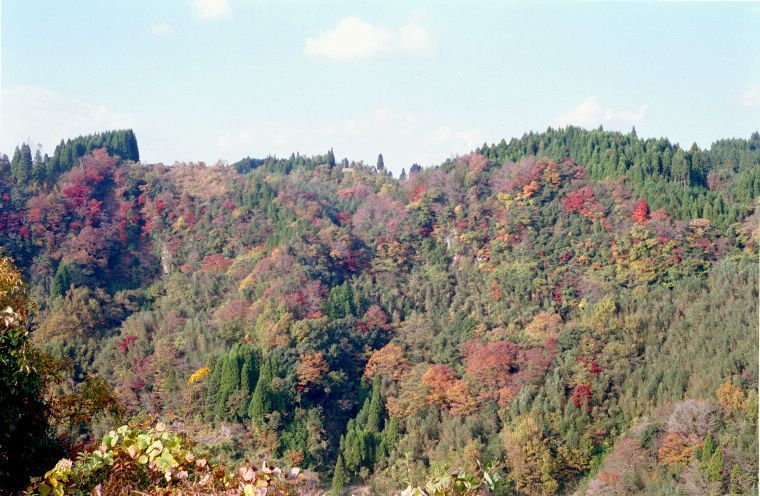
{"points": [[548, 307]]}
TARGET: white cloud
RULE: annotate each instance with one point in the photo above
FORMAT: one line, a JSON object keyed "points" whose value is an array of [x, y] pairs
{"points": [[211, 9], [161, 29], [353, 38], [750, 97], [592, 113], [40, 116]]}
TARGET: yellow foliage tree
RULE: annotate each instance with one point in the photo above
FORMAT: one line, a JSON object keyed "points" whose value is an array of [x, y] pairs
{"points": [[529, 458], [544, 326], [730, 397]]}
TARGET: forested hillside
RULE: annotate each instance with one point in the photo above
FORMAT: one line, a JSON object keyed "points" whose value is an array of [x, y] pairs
{"points": [[571, 312]]}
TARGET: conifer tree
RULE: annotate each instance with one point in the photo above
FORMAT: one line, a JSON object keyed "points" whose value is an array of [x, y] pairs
{"points": [[61, 281], [21, 165], [228, 383], [708, 448], [340, 478], [375, 412], [715, 467], [380, 163], [39, 171], [5, 165], [261, 401], [248, 377], [331, 158], [355, 450]]}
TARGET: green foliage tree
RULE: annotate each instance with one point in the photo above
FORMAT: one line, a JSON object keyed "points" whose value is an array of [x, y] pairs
{"points": [[340, 477], [262, 399], [22, 164], [714, 468], [24, 443], [375, 411]]}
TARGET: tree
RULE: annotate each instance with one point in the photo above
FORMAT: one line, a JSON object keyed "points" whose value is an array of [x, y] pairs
{"points": [[229, 383], [356, 450], [461, 398], [61, 281], [21, 165], [331, 158], [389, 361], [23, 422], [340, 477], [714, 468], [39, 170], [390, 438], [439, 379], [311, 369], [380, 163], [375, 414], [262, 399], [730, 398], [529, 457], [374, 317], [490, 364], [676, 449], [641, 212], [708, 449], [545, 325]]}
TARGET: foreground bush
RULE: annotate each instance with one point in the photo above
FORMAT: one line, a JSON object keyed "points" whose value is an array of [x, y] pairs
{"points": [[156, 461]]}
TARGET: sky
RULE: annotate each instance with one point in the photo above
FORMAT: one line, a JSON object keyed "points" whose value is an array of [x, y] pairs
{"points": [[208, 80]]}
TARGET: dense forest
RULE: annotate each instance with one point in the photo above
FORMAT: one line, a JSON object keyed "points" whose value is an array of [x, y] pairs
{"points": [[570, 312]]}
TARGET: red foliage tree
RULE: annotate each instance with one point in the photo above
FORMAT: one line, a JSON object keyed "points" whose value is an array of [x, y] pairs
{"points": [[583, 201], [490, 364], [641, 212], [123, 344], [582, 396], [375, 317], [216, 263]]}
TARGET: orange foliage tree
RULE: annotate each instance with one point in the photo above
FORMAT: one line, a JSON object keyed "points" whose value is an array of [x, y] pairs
{"points": [[311, 369], [389, 361], [490, 364]]}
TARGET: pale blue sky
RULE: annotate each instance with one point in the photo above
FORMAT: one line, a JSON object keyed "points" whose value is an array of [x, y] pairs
{"points": [[215, 79]]}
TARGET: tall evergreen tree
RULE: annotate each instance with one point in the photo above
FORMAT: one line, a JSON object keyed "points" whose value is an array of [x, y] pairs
{"points": [[331, 158], [248, 378], [21, 165], [380, 163], [262, 399], [39, 169], [390, 437], [708, 448], [61, 281], [340, 477], [715, 467], [375, 413], [229, 382], [5, 165]]}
